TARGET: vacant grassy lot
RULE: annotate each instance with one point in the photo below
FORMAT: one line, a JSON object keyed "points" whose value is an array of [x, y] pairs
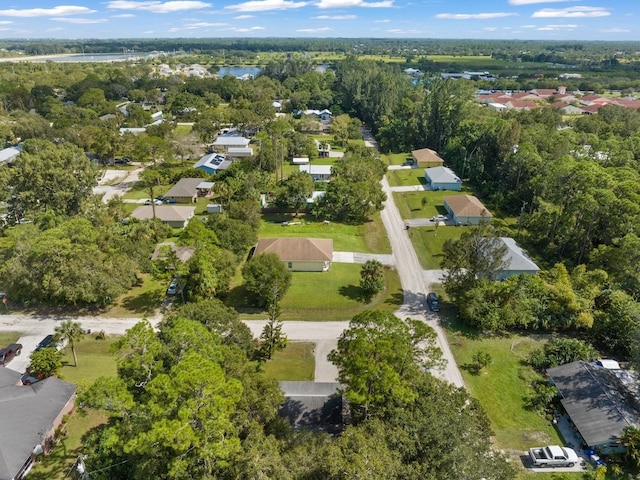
{"points": [[396, 158], [406, 177], [324, 296], [294, 363], [428, 242], [142, 300], [94, 361], [367, 238]]}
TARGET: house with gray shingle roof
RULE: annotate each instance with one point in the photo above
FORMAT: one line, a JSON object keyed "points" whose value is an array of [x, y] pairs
{"points": [[185, 191], [516, 260], [442, 178], [300, 254], [29, 415]]}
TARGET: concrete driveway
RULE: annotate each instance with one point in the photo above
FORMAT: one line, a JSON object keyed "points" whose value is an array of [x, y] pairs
{"points": [[355, 257], [29, 344]]}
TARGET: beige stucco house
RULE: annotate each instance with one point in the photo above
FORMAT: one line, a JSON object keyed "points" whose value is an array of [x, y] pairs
{"points": [[300, 254]]}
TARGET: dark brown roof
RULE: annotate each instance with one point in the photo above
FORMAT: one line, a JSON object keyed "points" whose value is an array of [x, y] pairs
{"points": [[292, 249]]}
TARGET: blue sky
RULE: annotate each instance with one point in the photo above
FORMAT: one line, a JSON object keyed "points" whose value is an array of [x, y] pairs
{"points": [[494, 19]]}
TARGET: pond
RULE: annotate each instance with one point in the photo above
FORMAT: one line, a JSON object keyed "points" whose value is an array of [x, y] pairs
{"points": [[239, 71]]}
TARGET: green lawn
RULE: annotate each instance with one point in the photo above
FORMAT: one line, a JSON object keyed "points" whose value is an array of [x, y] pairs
{"points": [[324, 296], [410, 203], [406, 177], [294, 363], [142, 300], [7, 338], [347, 238], [396, 158], [94, 361], [428, 242]]}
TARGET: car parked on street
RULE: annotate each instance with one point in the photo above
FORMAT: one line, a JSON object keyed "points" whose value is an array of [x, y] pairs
{"points": [[433, 302], [7, 353], [148, 201]]}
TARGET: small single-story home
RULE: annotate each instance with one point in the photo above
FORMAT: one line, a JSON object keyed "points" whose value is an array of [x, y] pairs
{"points": [[29, 416], [466, 210], [300, 254], [212, 163], [186, 190], [300, 160], [516, 260], [314, 406], [182, 253], [599, 401], [239, 152], [442, 178], [427, 157], [8, 155], [320, 173], [322, 115], [172, 215], [133, 130], [224, 142]]}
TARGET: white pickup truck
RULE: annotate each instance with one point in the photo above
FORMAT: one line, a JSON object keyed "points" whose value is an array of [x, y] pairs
{"points": [[553, 456]]}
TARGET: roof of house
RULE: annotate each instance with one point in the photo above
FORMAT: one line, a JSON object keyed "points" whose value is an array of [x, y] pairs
{"points": [[205, 185], [300, 160], [313, 405], [516, 258], [183, 253], [186, 187], [9, 154], [165, 213], [426, 155], [467, 206], [597, 400], [441, 175], [27, 412], [297, 249], [316, 169], [231, 141], [240, 151], [214, 161]]}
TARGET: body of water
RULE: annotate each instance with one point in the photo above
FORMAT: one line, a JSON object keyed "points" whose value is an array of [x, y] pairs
{"points": [[239, 71]]}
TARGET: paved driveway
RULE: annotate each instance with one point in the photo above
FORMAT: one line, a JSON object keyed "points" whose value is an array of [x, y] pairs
{"points": [[29, 344], [355, 257]]}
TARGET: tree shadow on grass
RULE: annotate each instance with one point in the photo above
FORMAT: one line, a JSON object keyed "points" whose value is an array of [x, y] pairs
{"points": [[145, 303], [395, 299], [239, 299], [353, 292]]}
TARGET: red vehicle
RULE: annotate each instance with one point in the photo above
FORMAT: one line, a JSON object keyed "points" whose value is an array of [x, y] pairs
{"points": [[7, 353]]}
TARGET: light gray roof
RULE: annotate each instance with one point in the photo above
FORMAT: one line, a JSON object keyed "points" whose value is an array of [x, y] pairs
{"points": [[214, 161], [165, 213], [231, 141], [240, 151], [9, 154], [183, 253], [441, 175], [316, 405], [186, 187], [27, 413], [599, 404], [316, 169], [516, 258], [205, 185]]}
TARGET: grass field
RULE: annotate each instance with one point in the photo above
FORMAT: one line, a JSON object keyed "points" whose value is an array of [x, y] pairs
{"points": [[367, 238], [428, 242], [396, 158], [406, 178], [7, 338], [294, 363], [142, 300], [324, 296], [94, 361]]}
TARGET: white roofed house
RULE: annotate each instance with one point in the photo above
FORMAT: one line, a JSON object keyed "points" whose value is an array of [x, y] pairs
{"points": [[213, 163], [239, 152], [225, 142], [320, 173], [516, 260], [442, 178]]}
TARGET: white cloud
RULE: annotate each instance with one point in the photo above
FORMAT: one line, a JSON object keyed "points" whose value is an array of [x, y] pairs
{"points": [[384, 20], [572, 12], [246, 30], [400, 31], [528, 26], [124, 15], [614, 30], [314, 30], [491, 29], [264, 5], [79, 21], [59, 11], [336, 17], [207, 24], [557, 27], [531, 2], [353, 3], [475, 16], [244, 17], [157, 6], [5, 22]]}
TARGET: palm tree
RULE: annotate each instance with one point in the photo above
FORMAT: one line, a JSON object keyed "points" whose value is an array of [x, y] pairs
{"points": [[71, 332]]}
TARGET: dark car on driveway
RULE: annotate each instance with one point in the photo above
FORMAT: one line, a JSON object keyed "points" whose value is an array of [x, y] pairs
{"points": [[47, 341], [7, 353], [433, 302]]}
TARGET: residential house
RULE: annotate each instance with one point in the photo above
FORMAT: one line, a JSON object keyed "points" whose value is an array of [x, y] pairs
{"points": [[599, 401], [239, 152], [29, 416], [182, 253], [426, 157], [174, 216], [442, 178], [186, 190], [466, 210], [225, 142], [212, 163], [320, 173], [300, 160], [132, 130], [324, 149], [516, 260], [314, 406], [300, 254]]}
